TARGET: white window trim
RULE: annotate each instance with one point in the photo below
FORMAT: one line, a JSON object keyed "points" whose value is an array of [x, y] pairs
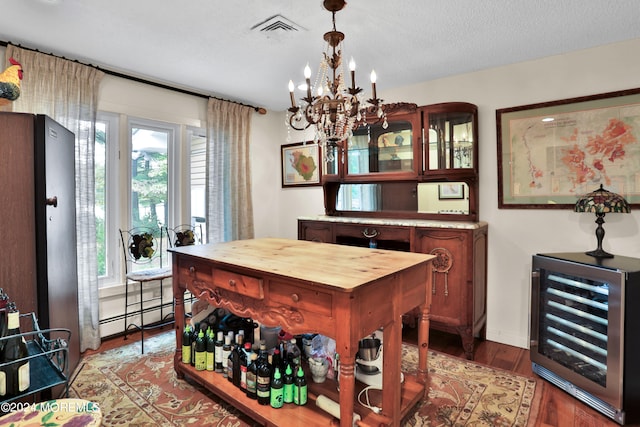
{"points": [[173, 131], [112, 183]]}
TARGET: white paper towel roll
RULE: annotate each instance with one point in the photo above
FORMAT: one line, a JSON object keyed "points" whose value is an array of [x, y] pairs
{"points": [[333, 408]]}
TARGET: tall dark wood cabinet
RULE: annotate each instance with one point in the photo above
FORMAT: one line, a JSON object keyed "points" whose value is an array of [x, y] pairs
{"points": [[38, 222]]}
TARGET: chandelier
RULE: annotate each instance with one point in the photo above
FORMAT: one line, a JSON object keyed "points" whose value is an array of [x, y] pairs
{"points": [[332, 107]]}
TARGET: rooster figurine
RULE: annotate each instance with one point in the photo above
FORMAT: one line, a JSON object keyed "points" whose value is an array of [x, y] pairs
{"points": [[10, 82]]}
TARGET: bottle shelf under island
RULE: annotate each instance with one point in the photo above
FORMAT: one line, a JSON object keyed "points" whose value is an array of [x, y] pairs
{"points": [[304, 416]]}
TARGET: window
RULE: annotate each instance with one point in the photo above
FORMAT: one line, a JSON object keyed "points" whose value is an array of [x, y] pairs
{"points": [[138, 183], [149, 177], [106, 202], [150, 144]]}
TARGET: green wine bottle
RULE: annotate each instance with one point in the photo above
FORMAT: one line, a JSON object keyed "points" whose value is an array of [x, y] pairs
{"points": [[186, 345], [300, 388], [287, 388], [211, 344], [201, 352], [276, 399]]}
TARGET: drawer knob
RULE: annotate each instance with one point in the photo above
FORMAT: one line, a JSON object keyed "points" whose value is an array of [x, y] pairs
{"points": [[295, 297], [232, 283], [192, 269]]}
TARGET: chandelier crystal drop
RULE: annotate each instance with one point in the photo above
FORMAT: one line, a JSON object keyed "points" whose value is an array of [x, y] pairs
{"points": [[332, 107]]}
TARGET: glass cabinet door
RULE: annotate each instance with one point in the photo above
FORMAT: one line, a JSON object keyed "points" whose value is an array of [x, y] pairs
{"points": [[450, 141], [373, 149]]}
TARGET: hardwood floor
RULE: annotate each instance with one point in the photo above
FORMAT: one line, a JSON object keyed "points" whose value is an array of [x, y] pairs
{"points": [[557, 409]]}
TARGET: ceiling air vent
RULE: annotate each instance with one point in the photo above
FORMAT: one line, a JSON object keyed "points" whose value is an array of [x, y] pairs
{"points": [[277, 23]]}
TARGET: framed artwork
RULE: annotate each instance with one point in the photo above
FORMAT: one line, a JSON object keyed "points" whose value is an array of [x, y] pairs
{"points": [[549, 154], [300, 164], [450, 191]]}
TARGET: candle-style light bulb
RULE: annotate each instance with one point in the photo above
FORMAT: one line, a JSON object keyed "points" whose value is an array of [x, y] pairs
{"points": [[307, 76], [291, 88], [352, 69], [373, 84]]}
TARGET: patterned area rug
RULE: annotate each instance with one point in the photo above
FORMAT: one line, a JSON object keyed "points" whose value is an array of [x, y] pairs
{"points": [[136, 390], [464, 393]]}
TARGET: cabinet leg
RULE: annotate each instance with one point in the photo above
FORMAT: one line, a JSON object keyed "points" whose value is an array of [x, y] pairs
{"points": [[466, 336]]}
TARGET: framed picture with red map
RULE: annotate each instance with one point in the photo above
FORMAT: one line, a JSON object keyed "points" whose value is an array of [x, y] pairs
{"points": [[551, 153], [300, 164]]}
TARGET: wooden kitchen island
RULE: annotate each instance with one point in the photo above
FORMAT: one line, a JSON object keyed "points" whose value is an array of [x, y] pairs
{"points": [[339, 291]]}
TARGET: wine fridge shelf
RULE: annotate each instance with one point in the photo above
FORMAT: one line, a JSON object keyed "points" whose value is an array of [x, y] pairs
{"points": [[48, 357]]}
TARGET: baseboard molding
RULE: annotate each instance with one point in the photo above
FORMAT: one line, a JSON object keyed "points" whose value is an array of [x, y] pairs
{"points": [[506, 337]]}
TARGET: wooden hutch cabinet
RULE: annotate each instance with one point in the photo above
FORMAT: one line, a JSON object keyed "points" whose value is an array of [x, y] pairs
{"points": [[412, 185], [459, 270]]}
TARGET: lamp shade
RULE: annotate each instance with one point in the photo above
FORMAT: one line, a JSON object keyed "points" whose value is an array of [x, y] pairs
{"points": [[602, 201]]}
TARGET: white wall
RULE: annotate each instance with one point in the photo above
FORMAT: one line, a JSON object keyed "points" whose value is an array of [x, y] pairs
{"points": [[515, 235]]}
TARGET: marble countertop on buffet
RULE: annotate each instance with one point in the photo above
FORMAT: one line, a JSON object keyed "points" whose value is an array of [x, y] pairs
{"points": [[464, 225]]}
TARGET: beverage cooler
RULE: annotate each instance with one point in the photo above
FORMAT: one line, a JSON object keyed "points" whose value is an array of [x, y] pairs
{"points": [[585, 329]]}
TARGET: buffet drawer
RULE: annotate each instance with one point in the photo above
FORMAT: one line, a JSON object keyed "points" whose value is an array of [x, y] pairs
{"points": [[378, 232]]}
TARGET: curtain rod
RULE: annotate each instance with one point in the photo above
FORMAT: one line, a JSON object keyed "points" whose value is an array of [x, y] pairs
{"points": [[260, 110]]}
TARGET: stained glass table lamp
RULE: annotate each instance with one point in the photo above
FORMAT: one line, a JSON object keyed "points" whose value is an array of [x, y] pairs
{"points": [[601, 202]]}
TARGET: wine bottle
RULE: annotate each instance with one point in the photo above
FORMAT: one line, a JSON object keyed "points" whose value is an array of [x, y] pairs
{"points": [[252, 377], [276, 363], [4, 299], [293, 353], [287, 388], [17, 373], [233, 364], [186, 345], [275, 398], [226, 350], [201, 352], [244, 364], [263, 380], [211, 344], [263, 354], [300, 388], [218, 351], [194, 336]]}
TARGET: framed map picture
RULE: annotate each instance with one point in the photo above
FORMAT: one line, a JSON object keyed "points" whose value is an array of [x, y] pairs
{"points": [[549, 154], [300, 164]]}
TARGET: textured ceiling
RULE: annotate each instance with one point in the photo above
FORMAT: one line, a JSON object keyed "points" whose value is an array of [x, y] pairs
{"points": [[247, 50]]}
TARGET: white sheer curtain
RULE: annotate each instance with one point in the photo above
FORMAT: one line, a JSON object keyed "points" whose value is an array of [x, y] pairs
{"points": [[228, 187], [68, 92]]}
